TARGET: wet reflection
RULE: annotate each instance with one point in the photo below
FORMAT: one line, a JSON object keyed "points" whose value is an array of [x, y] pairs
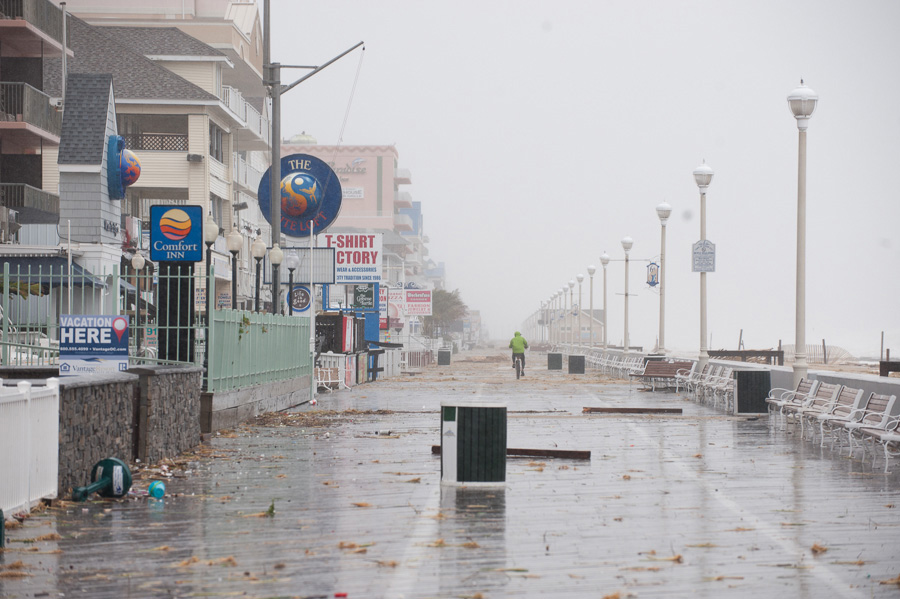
{"points": [[474, 534]]}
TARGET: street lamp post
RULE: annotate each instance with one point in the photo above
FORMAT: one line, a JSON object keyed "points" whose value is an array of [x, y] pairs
{"points": [[234, 241], [257, 250], [557, 335], [276, 257], [137, 263], [604, 260], [803, 103], [627, 242], [293, 263], [210, 234], [664, 210], [591, 270], [571, 307], [579, 277], [703, 175]]}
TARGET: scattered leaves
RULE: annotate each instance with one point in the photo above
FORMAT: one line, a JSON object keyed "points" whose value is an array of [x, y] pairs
{"points": [[698, 455], [188, 562], [626, 477], [387, 563], [471, 545], [818, 549], [858, 562], [741, 529], [14, 574], [49, 537], [707, 545], [616, 595], [717, 578], [362, 504], [415, 480], [161, 548], [223, 561], [891, 581], [438, 543]]}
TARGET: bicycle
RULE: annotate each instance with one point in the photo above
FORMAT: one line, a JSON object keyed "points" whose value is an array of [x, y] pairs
{"points": [[520, 367]]}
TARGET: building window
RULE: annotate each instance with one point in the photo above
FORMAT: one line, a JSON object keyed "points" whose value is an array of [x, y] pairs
{"points": [[216, 145], [217, 207]]}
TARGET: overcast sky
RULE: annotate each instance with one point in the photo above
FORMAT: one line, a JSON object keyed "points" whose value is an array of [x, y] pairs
{"points": [[540, 134]]}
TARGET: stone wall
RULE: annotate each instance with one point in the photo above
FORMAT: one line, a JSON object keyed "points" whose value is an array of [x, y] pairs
{"points": [[168, 411], [149, 413], [96, 421]]}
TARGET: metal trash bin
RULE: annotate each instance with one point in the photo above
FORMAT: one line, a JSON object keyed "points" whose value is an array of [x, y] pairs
{"points": [[473, 443], [554, 361], [444, 357], [576, 364], [751, 387]]}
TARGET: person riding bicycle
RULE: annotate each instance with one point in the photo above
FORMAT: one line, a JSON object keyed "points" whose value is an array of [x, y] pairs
{"points": [[518, 344]]}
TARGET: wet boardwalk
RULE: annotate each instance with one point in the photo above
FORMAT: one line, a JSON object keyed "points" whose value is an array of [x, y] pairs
{"points": [[691, 505]]}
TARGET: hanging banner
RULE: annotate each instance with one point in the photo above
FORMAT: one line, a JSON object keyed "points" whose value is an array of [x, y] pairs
{"points": [[358, 256]]}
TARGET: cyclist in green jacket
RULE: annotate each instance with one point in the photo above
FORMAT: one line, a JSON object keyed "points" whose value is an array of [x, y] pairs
{"points": [[518, 344]]}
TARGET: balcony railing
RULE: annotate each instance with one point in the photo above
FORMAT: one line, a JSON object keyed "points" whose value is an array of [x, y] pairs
{"points": [[35, 206], [244, 174], [19, 102], [43, 14], [255, 122], [403, 222], [160, 142]]}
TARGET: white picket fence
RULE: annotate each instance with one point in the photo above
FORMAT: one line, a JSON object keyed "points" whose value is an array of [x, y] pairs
{"points": [[29, 444]]}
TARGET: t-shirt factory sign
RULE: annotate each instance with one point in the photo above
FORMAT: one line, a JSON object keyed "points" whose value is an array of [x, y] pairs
{"points": [[358, 256]]}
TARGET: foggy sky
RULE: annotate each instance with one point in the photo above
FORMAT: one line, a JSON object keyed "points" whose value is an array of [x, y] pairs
{"points": [[539, 134]]}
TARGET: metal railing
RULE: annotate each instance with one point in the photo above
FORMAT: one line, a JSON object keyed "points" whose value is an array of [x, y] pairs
{"points": [[244, 348], [29, 444], [22, 103], [43, 14], [253, 348], [158, 142]]}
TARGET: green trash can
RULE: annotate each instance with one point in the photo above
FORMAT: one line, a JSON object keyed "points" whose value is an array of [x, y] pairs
{"points": [[576, 364], [473, 443], [554, 361]]}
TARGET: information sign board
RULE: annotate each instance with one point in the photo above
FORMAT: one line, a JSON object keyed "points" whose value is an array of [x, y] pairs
{"points": [[358, 256], [703, 256], [92, 344], [176, 233]]}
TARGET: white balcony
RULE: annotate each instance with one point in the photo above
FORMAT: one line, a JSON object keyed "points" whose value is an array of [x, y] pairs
{"points": [[403, 223], [403, 200], [402, 176], [255, 127], [245, 175]]}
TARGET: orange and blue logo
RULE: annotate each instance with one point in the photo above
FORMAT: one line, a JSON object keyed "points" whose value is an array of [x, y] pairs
{"points": [[175, 224], [176, 234]]}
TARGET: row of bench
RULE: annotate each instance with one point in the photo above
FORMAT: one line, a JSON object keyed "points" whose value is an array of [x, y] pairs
{"points": [[713, 384], [838, 412]]}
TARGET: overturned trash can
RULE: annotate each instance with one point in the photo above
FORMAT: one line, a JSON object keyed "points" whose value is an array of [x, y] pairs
{"points": [[444, 357], [473, 443], [554, 361]]}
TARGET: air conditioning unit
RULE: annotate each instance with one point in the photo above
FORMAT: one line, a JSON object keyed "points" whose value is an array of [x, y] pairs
{"points": [[195, 158]]}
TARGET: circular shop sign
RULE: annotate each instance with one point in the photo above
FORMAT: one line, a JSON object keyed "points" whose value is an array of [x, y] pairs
{"points": [[298, 298], [310, 191]]}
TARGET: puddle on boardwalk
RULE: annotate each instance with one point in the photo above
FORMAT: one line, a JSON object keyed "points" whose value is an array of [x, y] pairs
{"points": [[347, 499]]}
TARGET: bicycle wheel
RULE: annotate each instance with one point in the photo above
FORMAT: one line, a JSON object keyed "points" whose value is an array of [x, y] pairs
{"points": [[518, 368]]}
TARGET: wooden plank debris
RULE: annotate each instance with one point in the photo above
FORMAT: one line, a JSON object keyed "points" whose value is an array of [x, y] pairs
{"points": [[568, 454], [588, 410]]}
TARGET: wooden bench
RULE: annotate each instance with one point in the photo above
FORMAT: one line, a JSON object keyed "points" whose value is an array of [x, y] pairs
{"points": [[660, 373]]}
